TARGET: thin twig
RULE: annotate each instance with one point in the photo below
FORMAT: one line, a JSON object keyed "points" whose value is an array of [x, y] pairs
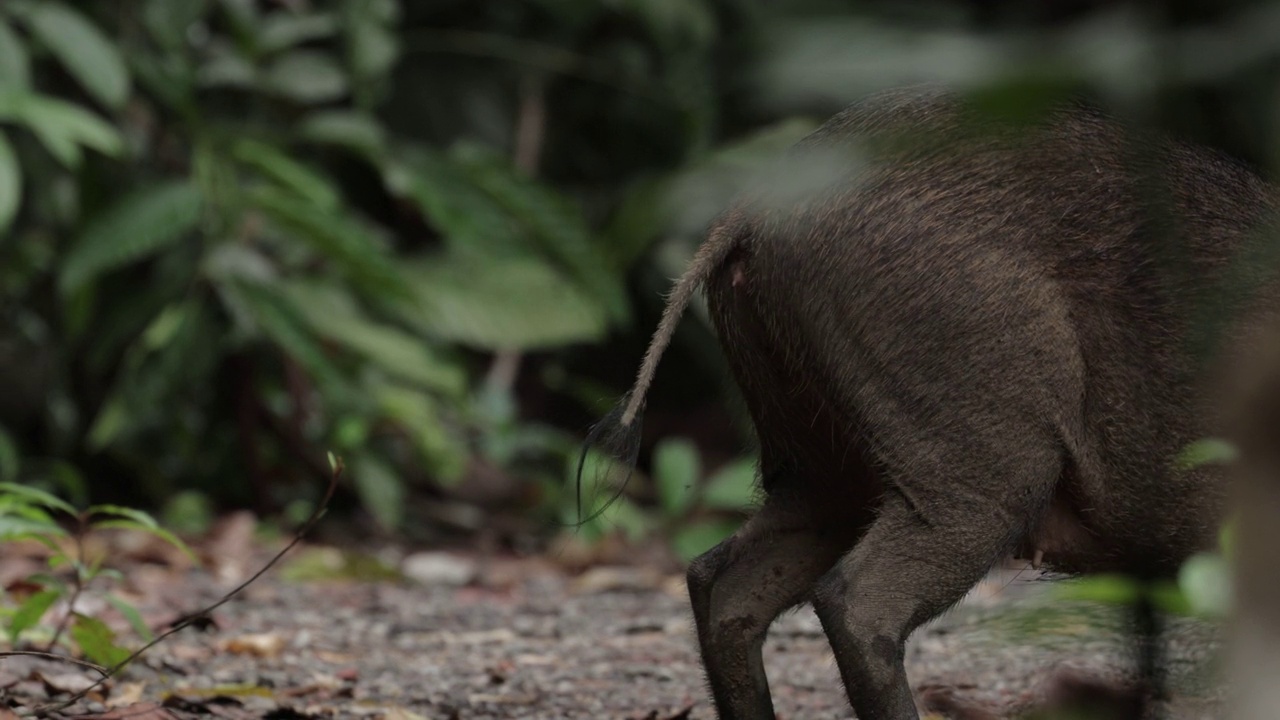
{"points": [[61, 658], [196, 616], [531, 124]]}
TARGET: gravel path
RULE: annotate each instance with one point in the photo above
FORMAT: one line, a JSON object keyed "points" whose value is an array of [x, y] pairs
{"points": [[528, 641]]}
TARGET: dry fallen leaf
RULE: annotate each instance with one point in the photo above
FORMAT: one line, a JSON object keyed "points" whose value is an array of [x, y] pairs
{"points": [[256, 644], [190, 653], [615, 578], [69, 683], [511, 699], [336, 658], [126, 694]]}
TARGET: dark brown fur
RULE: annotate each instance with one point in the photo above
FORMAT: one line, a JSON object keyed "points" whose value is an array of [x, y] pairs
{"points": [[976, 341]]}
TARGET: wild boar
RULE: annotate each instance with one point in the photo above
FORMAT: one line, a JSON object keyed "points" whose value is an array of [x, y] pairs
{"points": [[971, 338]]}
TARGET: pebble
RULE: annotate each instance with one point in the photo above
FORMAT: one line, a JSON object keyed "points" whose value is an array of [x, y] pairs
{"points": [[438, 568]]}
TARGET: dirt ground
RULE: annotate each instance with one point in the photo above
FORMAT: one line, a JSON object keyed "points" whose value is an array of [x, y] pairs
{"points": [[464, 637]]}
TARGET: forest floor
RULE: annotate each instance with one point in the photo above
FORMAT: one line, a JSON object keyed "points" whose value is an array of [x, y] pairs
{"points": [[467, 636]]}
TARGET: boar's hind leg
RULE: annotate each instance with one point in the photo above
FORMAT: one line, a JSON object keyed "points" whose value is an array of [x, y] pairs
{"points": [[740, 586], [911, 565]]}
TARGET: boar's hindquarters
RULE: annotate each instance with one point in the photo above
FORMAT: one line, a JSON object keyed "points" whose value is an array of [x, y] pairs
{"points": [[914, 419]]}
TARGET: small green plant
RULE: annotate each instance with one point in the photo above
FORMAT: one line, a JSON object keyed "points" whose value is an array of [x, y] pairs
{"points": [[28, 513], [698, 514], [693, 513]]}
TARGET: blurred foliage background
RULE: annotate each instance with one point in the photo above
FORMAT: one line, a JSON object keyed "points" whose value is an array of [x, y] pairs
{"points": [[434, 236]]}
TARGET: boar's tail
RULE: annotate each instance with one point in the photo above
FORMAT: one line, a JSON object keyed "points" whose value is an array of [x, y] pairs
{"points": [[618, 434], [712, 253]]}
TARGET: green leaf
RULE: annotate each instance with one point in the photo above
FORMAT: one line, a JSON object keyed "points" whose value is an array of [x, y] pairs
{"points": [[501, 303], [733, 487], [133, 228], [227, 68], [381, 490], [88, 55], [283, 30], [306, 76], [1227, 536], [140, 518], [1168, 597], [279, 321], [30, 611], [1207, 451], [676, 469], [621, 514], [444, 449], [10, 185], [374, 47], [167, 325], [628, 517], [112, 421], [226, 262], [19, 518], [552, 220], [60, 126], [351, 432], [131, 614], [354, 130], [638, 222], [109, 573], [188, 511], [23, 507], [469, 220], [169, 77], [15, 64], [169, 22], [96, 641], [691, 541], [348, 243], [1205, 581], [387, 12], [156, 530], [243, 15], [288, 173], [19, 528], [333, 313], [1110, 589], [601, 476], [36, 497], [399, 353]]}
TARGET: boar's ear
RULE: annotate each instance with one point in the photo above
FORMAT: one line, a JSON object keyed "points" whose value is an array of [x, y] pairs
{"points": [[618, 446]]}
